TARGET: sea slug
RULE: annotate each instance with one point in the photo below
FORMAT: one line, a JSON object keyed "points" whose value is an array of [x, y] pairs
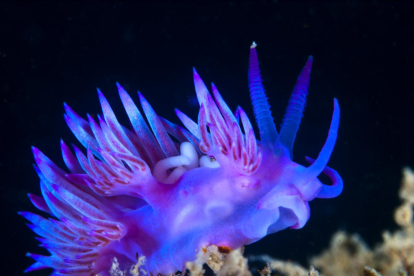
{"points": [[165, 192]]}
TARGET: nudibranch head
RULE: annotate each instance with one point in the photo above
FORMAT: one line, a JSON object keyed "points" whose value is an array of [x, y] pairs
{"points": [[164, 192]]}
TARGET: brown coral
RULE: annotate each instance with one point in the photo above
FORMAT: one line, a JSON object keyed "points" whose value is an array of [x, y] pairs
{"points": [[393, 257], [347, 255], [221, 262]]}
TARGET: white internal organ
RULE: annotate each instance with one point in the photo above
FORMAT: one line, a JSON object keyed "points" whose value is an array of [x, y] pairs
{"points": [[209, 161], [170, 169]]}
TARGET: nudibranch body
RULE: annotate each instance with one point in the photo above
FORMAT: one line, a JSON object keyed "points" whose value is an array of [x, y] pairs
{"points": [[164, 192]]}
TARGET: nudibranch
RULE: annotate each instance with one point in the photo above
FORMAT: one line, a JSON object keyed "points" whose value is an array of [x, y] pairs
{"points": [[165, 192]]}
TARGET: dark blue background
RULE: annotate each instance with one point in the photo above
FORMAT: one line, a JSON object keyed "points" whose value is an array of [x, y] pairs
{"points": [[363, 55]]}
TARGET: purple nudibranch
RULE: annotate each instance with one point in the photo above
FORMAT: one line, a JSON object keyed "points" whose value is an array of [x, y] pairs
{"points": [[138, 192]]}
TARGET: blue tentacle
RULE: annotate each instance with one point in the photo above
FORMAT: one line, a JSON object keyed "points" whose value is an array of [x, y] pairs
{"points": [[294, 111], [261, 108], [319, 165], [337, 186]]}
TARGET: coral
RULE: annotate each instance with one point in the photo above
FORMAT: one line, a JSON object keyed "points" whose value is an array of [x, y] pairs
{"points": [[396, 255], [134, 270], [234, 264], [223, 264], [368, 271], [285, 268], [291, 269], [266, 271], [407, 186], [348, 255]]}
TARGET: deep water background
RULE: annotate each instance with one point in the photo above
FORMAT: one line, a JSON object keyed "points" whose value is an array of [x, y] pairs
{"points": [[52, 53]]}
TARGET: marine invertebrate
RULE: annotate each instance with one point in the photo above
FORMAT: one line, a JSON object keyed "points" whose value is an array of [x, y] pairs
{"points": [[164, 192]]}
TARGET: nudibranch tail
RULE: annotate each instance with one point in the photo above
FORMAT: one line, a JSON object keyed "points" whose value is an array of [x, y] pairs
{"points": [[268, 134], [294, 110]]}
